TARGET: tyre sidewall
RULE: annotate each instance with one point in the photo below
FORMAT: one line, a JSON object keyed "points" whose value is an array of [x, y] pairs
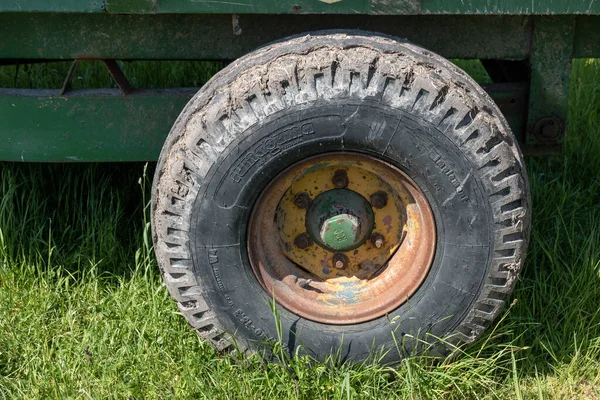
{"points": [[451, 184]]}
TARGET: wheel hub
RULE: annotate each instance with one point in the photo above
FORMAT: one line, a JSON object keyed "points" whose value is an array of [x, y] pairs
{"points": [[330, 255], [339, 220]]}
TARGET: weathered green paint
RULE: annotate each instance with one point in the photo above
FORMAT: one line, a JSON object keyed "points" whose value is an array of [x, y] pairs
{"points": [[396, 7], [42, 36], [169, 37], [550, 60], [535, 7], [339, 219], [237, 6], [61, 6], [103, 125], [87, 125], [587, 38], [391, 7], [340, 232]]}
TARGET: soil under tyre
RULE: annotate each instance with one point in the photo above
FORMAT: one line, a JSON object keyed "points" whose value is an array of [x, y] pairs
{"points": [[350, 92]]}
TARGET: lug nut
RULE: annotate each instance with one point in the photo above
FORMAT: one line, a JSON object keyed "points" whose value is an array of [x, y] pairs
{"points": [[302, 241], [302, 200], [340, 179], [379, 199], [305, 283], [548, 128], [377, 240], [340, 261]]}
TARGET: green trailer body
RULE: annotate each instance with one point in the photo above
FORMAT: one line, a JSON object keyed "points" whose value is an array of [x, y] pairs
{"points": [[365, 184], [527, 48], [371, 7]]}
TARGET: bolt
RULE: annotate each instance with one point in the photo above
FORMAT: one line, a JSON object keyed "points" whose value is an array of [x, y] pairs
{"points": [[302, 200], [377, 240], [340, 261], [340, 179], [379, 199], [302, 241], [548, 128], [340, 232], [305, 283]]}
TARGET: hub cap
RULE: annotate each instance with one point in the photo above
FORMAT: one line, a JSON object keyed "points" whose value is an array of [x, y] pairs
{"points": [[341, 238], [339, 219]]}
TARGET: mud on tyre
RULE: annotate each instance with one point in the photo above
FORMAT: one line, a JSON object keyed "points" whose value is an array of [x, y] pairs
{"points": [[335, 98]]}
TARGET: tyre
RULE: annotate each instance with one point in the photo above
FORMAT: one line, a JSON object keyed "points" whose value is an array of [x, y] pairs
{"points": [[368, 186]]}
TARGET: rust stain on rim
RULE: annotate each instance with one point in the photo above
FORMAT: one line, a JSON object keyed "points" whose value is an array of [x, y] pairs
{"points": [[303, 281]]}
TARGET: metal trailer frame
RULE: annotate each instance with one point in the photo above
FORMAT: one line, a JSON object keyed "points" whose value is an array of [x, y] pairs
{"points": [[526, 47]]}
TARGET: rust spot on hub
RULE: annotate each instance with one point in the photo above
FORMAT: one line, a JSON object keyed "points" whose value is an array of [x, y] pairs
{"points": [[341, 286]]}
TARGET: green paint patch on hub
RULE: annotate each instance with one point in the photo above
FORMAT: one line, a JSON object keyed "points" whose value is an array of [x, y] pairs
{"points": [[340, 232], [339, 220]]}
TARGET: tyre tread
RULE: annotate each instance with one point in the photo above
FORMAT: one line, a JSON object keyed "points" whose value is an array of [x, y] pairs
{"points": [[333, 66]]}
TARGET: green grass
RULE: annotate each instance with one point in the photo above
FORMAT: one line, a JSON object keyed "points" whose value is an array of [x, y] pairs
{"points": [[84, 314]]}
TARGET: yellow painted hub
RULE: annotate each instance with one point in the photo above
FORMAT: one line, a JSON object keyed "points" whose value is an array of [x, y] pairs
{"points": [[339, 219], [388, 221], [341, 287]]}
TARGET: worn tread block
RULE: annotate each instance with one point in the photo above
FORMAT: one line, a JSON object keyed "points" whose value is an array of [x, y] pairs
{"points": [[328, 66]]}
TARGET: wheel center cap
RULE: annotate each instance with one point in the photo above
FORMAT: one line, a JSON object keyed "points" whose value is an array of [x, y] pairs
{"points": [[339, 220], [340, 231]]}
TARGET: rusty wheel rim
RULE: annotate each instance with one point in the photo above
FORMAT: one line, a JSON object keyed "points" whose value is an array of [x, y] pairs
{"points": [[341, 238]]}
